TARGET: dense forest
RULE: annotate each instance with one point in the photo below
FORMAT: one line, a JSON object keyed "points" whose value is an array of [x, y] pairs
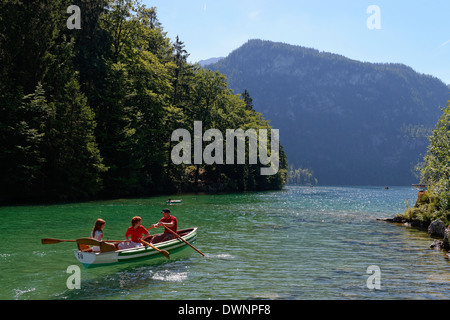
{"points": [[88, 113], [351, 122]]}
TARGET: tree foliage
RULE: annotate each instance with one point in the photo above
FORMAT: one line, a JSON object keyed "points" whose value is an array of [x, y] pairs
{"points": [[300, 176], [436, 168], [434, 203], [89, 112]]}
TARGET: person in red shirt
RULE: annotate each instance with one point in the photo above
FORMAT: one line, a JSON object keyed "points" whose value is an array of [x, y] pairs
{"points": [[135, 231], [168, 221]]}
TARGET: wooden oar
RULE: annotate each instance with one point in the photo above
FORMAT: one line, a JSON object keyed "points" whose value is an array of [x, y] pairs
{"points": [[163, 252], [104, 247], [179, 237], [52, 241]]}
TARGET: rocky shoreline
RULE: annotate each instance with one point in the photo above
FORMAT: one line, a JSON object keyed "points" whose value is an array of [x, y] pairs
{"points": [[435, 229]]}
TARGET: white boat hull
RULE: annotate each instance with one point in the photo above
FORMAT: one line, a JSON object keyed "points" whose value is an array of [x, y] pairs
{"points": [[89, 259]]}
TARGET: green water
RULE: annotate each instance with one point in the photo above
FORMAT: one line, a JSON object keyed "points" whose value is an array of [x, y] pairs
{"points": [[298, 243]]}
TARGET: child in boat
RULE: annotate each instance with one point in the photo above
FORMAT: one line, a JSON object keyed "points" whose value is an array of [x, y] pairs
{"points": [[97, 233], [135, 231], [168, 221]]}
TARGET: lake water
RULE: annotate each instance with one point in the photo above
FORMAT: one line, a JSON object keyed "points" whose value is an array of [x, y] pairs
{"points": [[298, 243]]}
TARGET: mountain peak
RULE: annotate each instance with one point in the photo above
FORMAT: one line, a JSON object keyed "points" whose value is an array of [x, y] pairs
{"points": [[352, 122], [209, 61]]}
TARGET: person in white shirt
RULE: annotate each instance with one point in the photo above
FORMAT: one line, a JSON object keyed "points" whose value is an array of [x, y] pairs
{"points": [[97, 233]]}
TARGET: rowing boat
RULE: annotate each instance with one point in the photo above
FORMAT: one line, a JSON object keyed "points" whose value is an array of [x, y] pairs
{"points": [[90, 259], [174, 201]]}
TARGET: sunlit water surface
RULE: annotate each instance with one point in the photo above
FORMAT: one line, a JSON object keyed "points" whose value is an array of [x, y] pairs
{"points": [[298, 243]]}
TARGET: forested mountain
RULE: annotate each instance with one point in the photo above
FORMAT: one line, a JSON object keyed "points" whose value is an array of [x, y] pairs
{"points": [[89, 112], [350, 122]]}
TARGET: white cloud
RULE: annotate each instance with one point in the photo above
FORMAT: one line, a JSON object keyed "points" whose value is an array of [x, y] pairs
{"points": [[254, 14], [444, 44]]}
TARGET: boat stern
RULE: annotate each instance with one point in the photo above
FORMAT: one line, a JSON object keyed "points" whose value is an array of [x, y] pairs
{"points": [[94, 258]]}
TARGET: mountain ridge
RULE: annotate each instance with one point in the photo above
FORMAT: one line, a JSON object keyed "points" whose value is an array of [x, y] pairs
{"points": [[352, 122], [209, 61]]}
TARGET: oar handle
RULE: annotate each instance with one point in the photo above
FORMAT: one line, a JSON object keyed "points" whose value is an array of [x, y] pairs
{"points": [[179, 237]]}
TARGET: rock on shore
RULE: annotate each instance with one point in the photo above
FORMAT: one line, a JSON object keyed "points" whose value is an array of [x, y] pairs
{"points": [[435, 229]]}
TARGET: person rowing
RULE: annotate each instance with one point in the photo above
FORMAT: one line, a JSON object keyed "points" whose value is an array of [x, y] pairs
{"points": [[168, 221]]}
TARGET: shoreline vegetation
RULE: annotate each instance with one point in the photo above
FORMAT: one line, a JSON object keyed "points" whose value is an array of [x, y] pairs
{"points": [[300, 176], [88, 113], [431, 212]]}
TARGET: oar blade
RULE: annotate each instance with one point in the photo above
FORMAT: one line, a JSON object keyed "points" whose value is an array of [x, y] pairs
{"points": [[49, 241], [107, 247], [104, 247], [165, 254], [181, 238], [52, 241]]}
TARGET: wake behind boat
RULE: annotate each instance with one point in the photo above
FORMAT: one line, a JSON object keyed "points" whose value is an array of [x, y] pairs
{"points": [[89, 259]]}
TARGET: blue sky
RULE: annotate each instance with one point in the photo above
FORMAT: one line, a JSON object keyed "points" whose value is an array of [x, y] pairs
{"points": [[414, 32]]}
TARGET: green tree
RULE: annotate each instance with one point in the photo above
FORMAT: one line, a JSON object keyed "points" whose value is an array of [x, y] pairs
{"points": [[139, 85], [23, 143], [90, 112], [248, 100], [300, 176], [76, 156], [436, 170]]}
